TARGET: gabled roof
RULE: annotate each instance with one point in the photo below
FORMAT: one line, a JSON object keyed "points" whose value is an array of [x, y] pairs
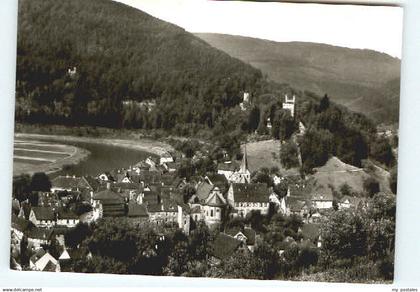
{"points": [[322, 193], [151, 197], [354, 201], [295, 204], [150, 177], [20, 224], [168, 179], [43, 213], [64, 255], [39, 233], [203, 190], [47, 263], [228, 166], [196, 210], [215, 199], [224, 246], [67, 214], [126, 186], [109, 197], [136, 210], [93, 182], [254, 192], [249, 233], [164, 206], [218, 180], [70, 182]]}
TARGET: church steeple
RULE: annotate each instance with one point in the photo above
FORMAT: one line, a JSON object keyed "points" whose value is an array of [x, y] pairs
{"points": [[244, 164]]}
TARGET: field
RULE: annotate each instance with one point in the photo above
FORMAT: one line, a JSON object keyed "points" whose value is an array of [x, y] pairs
{"points": [[266, 154], [31, 156], [336, 173]]}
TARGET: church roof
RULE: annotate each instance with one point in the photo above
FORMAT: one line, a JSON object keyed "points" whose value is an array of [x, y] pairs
{"points": [[254, 192], [216, 199], [203, 190], [244, 164]]}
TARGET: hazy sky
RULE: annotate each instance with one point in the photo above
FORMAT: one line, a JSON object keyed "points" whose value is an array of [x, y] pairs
{"points": [[366, 27]]}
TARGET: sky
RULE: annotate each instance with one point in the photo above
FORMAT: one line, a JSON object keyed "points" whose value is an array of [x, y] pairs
{"points": [[377, 28]]}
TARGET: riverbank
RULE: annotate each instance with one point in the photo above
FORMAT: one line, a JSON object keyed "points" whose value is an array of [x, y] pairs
{"points": [[142, 144], [48, 161]]}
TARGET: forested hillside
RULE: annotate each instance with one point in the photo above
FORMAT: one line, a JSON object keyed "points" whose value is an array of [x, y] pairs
{"points": [[115, 54], [102, 63], [358, 79]]}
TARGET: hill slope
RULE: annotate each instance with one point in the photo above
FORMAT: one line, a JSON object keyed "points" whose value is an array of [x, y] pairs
{"points": [[355, 78], [119, 53]]}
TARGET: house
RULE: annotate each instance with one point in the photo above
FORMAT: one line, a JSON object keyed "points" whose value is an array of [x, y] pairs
{"points": [[44, 261], [39, 236], [47, 199], [349, 202], [108, 203], [171, 167], [165, 211], [196, 213], [69, 183], [322, 197], [122, 177], [106, 176], [246, 234], [67, 218], [227, 168], [137, 214], [166, 158], [223, 247], [249, 197], [150, 177], [42, 216]]}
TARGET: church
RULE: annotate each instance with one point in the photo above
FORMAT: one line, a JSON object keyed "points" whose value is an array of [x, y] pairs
{"points": [[242, 175]]}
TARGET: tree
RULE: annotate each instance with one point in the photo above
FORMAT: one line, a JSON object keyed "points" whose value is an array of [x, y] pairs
{"points": [[344, 235], [289, 155], [200, 242], [283, 125], [324, 104], [315, 148], [40, 182], [254, 119], [77, 234], [179, 256], [371, 186], [346, 190], [21, 187], [266, 261], [381, 151], [393, 179]]}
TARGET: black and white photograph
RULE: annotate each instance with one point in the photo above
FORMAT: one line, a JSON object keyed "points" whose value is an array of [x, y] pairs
{"points": [[213, 139]]}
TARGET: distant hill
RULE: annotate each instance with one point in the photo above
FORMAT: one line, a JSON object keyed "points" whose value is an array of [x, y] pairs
{"points": [[363, 80]]}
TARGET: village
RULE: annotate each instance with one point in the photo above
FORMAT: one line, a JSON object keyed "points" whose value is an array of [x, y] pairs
{"points": [[151, 191]]}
